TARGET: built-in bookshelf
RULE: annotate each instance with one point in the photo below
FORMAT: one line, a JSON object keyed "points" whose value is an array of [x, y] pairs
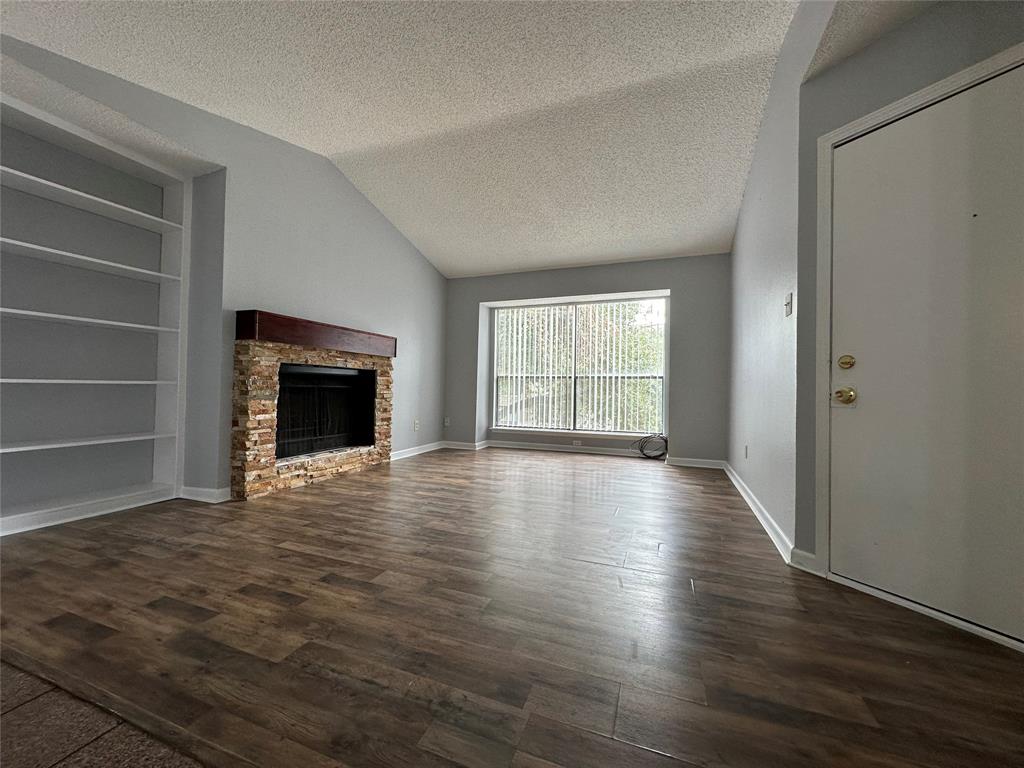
{"points": [[94, 248]]}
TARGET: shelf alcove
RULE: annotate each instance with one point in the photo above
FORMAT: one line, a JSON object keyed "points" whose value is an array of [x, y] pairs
{"points": [[94, 251]]}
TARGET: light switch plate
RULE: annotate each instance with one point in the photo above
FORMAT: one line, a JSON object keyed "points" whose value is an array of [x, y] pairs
{"points": [[789, 304]]}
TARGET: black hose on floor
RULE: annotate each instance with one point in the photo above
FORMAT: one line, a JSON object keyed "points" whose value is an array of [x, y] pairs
{"points": [[653, 446]]}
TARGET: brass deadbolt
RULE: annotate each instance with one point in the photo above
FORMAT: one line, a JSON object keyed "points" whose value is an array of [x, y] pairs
{"points": [[845, 395], [847, 361]]}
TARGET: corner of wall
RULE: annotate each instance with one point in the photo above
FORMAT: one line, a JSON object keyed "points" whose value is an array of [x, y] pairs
{"points": [[944, 39], [763, 385], [779, 537], [207, 425], [483, 375]]}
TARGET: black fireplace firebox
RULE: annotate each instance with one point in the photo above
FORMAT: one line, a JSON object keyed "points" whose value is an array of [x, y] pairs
{"points": [[320, 408]]}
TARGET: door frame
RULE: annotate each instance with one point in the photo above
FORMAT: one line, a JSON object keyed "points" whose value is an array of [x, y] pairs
{"points": [[827, 144]]}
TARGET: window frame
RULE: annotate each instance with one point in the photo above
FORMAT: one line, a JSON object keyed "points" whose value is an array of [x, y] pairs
{"points": [[575, 302]]}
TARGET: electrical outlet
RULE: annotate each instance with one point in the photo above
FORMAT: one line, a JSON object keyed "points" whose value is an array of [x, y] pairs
{"points": [[577, 442], [789, 304], [416, 425], [447, 422], [746, 451]]}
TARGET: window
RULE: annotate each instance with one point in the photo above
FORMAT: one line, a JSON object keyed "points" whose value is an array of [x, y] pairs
{"points": [[596, 367]]}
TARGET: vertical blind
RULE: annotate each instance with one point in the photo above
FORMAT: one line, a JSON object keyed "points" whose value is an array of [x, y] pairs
{"points": [[596, 367]]}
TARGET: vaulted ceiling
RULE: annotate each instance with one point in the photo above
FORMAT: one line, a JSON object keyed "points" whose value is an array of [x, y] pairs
{"points": [[36, 90], [496, 136], [855, 24]]}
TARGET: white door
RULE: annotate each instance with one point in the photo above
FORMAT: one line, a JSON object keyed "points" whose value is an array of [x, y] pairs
{"points": [[927, 491]]}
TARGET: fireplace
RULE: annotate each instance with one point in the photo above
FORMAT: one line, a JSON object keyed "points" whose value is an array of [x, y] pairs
{"points": [[321, 408], [309, 401]]}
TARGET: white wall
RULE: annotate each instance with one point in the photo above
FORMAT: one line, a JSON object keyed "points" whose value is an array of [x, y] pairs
{"points": [[762, 402], [299, 239]]}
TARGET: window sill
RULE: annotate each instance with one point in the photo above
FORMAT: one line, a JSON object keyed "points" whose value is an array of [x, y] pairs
{"points": [[569, 433]]}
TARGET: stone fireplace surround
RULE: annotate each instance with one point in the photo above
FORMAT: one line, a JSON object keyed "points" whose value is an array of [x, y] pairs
{"points": [[263, 341]]}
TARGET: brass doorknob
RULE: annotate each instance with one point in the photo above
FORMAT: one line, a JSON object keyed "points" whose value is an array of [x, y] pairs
{"points": [[845, 395]]}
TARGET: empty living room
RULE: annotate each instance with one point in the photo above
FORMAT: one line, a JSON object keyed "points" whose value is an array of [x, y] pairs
{"points": [[535, 384]]}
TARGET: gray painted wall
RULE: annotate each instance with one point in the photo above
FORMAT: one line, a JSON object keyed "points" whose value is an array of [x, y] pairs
{"points": [[37, 349], [764, 264], [207, 452], [299, 239], [940, 42], [699, 339], [48, 161]]}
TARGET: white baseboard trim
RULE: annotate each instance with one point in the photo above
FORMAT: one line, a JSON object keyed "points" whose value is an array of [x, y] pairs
{"points": [[416, 450], [596, 449], [775, 533], [678, 461], [807, 561], [464, 446], [946, 618], [208, 495], [80, 510], [561, 448]]}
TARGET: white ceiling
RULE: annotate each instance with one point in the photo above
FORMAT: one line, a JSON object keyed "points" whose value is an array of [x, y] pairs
{"points": [[855, 24], [41, 92], [496, 136]]}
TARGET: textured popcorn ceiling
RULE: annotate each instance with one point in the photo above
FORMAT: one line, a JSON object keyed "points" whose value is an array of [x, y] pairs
{"points": [[496, 136], [33, 88], [855, 24]]}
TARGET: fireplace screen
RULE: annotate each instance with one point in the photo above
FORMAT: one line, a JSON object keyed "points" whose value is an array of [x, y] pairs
{"points": [[321, 408]]}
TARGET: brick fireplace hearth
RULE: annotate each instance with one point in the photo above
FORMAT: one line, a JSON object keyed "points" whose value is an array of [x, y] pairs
{"points": [[263, 342]]}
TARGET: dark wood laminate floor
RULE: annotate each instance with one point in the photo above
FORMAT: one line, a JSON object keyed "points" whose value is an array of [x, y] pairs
{"points": [[498, 608]]}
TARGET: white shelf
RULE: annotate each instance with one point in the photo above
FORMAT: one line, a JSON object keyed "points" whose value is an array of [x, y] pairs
{"points": [[46, 445], [128, 382], [41, 252], [33, 185], [75, 320], [25, 517], [143, 467]]}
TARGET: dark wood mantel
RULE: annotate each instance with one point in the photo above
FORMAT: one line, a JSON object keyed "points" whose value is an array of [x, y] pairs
{"points": [[257, 325]]}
